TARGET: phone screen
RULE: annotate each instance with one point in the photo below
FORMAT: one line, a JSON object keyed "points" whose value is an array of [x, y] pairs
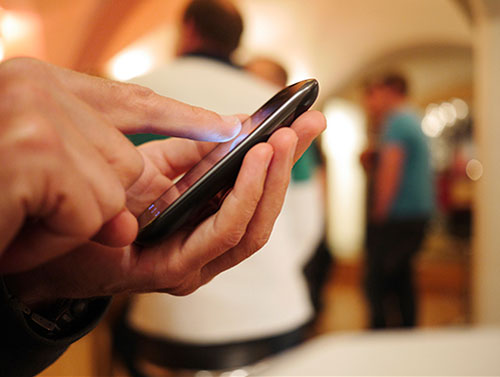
{"points": [[208, 162]]}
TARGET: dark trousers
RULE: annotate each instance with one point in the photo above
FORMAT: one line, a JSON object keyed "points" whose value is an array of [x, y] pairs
{"points": [[389, 280]]}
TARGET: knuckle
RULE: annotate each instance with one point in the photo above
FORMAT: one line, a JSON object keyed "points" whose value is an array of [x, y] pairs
{"points": [[113, 201], [140, 92], [183, 290], [135, 164], [229, 238], [142, 96], [33, 134], [127, 162], [90, 226], [198, 112], [140, 99], [22, 66], [258, 242], [23, 92], [177, 271]]}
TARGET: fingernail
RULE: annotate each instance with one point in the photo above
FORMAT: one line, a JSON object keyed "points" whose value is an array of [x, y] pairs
{"points": [[269, 158], [235, 124], [293, 150]]}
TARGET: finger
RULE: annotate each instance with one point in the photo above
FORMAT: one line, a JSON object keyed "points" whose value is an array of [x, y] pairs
{"points": [[308, 127], [67, 186], [175, 156], [284, 142], [68, 225], [164, 160], [133, 108], [120, 231], [224, 230]]}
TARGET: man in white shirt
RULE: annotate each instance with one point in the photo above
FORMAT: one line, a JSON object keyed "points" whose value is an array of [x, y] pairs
{"points": [[264, 301]]}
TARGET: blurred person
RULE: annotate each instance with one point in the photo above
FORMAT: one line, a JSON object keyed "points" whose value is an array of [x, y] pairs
{"points": [[246, 314], [72, 186], [400, 201], [305, 197]]}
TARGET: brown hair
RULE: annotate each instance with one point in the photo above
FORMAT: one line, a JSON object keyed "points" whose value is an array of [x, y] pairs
{"points": [[218, 22], [394, 81]]}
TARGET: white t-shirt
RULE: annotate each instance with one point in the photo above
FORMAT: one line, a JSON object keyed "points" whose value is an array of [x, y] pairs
{"points": [[266, 294]]}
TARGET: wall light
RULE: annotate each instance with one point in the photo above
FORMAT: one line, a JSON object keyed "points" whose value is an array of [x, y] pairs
{"points": [[343, 142], [21, 33], [130, 63]]}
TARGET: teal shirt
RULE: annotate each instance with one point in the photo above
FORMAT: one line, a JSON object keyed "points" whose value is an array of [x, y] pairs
{"points": [[306, 165], [415, 196], [302, 170], [138, 139]]}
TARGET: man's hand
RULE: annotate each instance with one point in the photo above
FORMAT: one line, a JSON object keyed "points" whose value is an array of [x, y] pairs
{"points": [[72, 186], [188, 259], [65, 163]]}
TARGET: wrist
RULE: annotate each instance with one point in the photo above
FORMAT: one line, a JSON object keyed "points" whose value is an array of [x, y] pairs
{"points": [[28, 291], [50, 318]]}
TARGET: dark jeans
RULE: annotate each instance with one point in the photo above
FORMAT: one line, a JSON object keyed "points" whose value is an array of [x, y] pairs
{"points": [[317, 272], [389, 285]]}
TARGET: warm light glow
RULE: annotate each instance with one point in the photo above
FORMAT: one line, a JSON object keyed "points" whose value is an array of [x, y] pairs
{"points": [[15, 26], [2, 51], [474, 169], [447, 113], [437, 117], [131, 63], [20, 34], [432, 124], [461, 108], [343, 142]]}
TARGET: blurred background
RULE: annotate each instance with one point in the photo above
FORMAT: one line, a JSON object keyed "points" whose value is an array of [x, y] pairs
{"points": [[449, 50]]}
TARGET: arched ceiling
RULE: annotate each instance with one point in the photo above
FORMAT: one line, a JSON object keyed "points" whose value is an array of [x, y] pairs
{"points": [[328, 39]]}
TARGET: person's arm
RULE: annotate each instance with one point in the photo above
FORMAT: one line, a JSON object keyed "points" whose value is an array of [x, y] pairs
{"points": [[72, 186], [387, 180]]}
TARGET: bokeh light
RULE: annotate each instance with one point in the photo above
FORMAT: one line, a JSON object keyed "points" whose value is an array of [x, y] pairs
{"points": [[439, 116], [474, 169], [461, 108], [130, 63]]}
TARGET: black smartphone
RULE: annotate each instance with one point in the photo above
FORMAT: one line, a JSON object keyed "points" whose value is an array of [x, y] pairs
{"points": [[186, 201]]}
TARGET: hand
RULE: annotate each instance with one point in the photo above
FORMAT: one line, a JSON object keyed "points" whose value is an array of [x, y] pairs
{"points": [[65, 163], [188, 259]]}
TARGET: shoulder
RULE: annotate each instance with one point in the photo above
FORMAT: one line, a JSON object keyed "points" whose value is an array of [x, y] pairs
{"points": [[402, 125], [210, 84], [404, 118]]}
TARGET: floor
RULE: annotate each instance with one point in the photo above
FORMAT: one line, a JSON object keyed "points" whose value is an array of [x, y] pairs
{"points": [[442, 270]]}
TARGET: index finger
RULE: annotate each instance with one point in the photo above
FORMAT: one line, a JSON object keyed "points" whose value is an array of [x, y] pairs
{"points": [[133, 108]]}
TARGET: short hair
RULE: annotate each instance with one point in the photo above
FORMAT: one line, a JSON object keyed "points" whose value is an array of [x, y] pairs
{"points": [[217, 21], [395, 82]]}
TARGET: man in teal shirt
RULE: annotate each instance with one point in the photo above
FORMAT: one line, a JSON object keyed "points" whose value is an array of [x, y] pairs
{"points": [[401, 203]]}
